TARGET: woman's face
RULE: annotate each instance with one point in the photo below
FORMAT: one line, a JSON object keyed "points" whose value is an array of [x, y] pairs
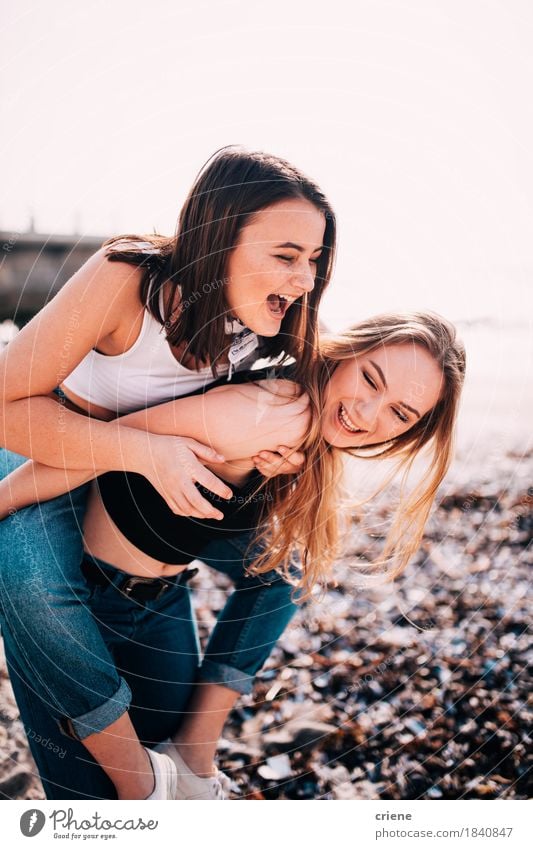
{"points": [[373, 397], [274, 263]]}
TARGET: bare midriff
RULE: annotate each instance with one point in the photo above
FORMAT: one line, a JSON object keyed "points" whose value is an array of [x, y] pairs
{"points": [[101, 537], [104, 540], [81, 405]]}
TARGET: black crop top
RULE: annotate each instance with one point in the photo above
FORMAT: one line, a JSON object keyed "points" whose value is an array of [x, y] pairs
{"points": [[145, 519]]}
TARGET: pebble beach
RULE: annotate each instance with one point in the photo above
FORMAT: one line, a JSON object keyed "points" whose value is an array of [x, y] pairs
{"points": [[415, 689]]}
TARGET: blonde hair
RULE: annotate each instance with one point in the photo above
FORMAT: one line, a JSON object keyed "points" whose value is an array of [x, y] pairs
{"points": [[301, 512]]}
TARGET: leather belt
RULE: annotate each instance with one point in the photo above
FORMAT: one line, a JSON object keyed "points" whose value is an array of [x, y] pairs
{"points": [[133, 586]]}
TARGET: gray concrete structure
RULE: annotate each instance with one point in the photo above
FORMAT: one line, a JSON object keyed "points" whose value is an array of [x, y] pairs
{"points": [[34, 266]]}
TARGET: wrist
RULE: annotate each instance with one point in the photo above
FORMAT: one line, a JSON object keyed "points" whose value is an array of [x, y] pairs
{"points": [[135, 447]]}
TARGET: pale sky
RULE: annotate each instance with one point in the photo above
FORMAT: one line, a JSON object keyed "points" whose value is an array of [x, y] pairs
{"points": [[415, 118]]}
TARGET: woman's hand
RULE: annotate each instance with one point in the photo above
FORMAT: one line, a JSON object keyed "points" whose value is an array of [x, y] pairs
{"points": [[173, 465], [284, 461]]}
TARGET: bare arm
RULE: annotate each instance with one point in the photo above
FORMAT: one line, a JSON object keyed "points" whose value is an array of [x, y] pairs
{"points": [[34, 482], [92, 306], [237, 421], [85, 311]]}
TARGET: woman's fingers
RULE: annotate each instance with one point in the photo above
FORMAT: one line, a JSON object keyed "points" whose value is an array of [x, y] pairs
{"points": [[204, 451], [293, 459], [198, 507], [268, 463], [206, 478], [284, 461], [191, 470], [174, 469], [191, 503]]}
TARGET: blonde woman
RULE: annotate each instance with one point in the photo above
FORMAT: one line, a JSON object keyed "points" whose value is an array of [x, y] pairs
{"points": [[384, 388]]}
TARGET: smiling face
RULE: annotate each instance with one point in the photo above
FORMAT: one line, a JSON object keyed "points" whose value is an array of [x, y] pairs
{"points": [[274, 263], [374, 397]]}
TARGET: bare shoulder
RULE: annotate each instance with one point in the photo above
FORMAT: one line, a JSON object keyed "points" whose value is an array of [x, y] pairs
{"points": [[94, 303], [102, 287], [119, 280], [111, 289]]}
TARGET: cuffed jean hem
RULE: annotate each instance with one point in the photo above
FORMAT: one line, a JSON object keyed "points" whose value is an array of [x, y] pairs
{"points": [[100, 717], [228, 676]]}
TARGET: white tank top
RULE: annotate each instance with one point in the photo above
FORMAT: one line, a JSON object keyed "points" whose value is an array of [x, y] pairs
{"points": [[144, 375]]}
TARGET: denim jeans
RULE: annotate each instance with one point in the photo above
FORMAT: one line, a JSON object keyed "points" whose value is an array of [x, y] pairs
{"points": [[80, 655]]}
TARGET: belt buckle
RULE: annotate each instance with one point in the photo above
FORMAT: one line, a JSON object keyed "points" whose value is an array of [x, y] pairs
{"points": [[130, 586], [162, 589]]}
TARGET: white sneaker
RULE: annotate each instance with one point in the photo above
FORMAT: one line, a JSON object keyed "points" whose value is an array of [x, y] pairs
{"points": [[224, 781], [165, 775], [192, 786]]}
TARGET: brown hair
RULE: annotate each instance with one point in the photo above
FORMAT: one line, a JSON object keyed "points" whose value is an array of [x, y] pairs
{"points": [[302, 513], [232, 186]]}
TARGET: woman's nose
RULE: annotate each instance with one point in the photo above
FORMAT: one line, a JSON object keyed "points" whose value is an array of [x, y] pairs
{"points": [[305, 280], [367, 414]]}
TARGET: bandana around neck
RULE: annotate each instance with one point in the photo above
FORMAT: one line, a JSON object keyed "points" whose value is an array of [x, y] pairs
{"points": [[244, 342]]}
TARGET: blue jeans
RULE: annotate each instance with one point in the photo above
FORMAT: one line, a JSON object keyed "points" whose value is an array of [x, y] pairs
{"points": [[80, 655]]}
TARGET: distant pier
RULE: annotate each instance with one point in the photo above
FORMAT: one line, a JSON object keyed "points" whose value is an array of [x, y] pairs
{"points": [[34, 266]]}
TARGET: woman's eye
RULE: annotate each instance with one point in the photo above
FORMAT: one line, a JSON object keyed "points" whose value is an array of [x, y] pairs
{"points": [[401, 416], [369, 380], [284, 258]]}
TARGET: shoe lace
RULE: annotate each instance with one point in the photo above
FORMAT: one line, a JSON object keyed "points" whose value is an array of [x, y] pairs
{"points": [[221, 784]]}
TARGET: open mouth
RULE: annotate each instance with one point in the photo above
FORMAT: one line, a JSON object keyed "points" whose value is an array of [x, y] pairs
{"points": [[345, 421], [279, 304]]}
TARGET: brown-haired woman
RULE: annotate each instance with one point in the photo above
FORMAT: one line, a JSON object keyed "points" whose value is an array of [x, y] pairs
{"points": [[385, 388], [145, 320]]}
